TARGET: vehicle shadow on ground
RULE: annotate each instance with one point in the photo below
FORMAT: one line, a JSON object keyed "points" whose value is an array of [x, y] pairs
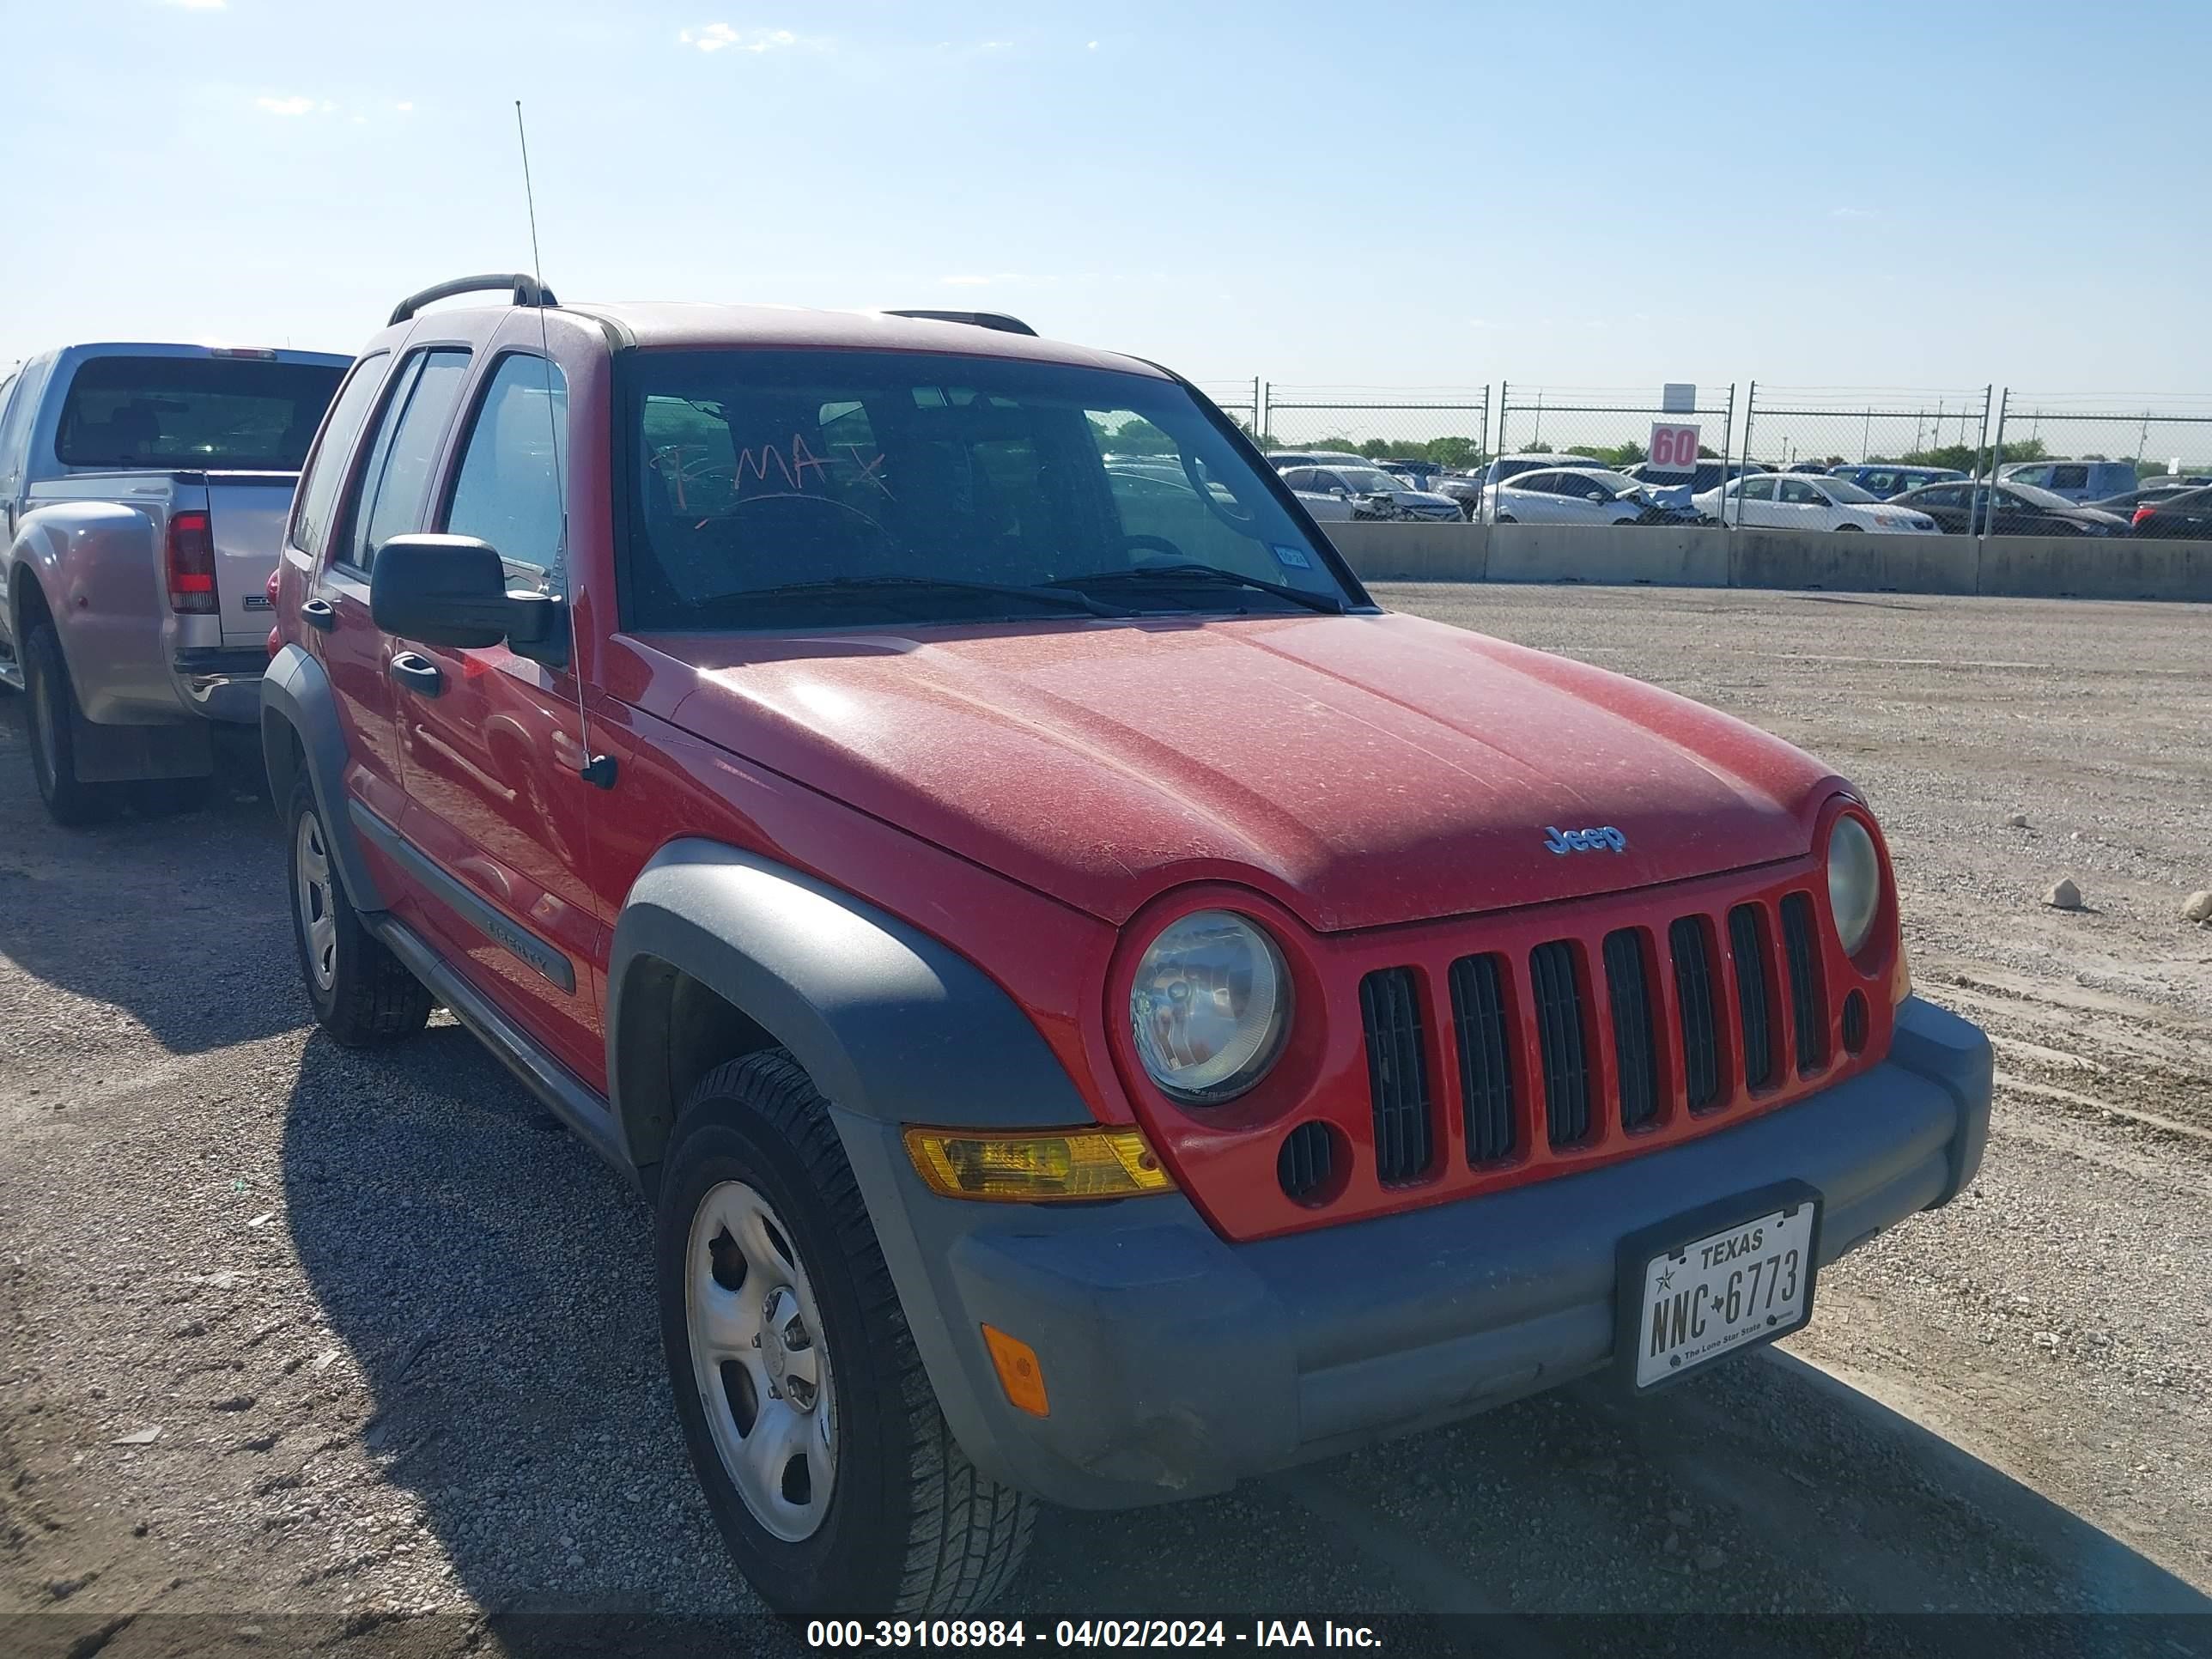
{"points": [[174, 926], [490, 1280]]}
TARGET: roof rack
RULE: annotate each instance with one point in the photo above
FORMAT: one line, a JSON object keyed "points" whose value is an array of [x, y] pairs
{"points": [[527, 291], [997, 320]]}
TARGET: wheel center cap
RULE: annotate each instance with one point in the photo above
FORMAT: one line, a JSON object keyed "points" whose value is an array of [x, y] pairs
{"points": [[782, 1331]]}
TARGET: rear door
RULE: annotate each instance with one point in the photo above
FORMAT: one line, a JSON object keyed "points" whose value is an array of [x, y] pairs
{"points": [[388, 494], [1759, 506]]}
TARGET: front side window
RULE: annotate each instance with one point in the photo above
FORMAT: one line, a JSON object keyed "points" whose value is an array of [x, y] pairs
{"points": [[326, 468], [800, 488], [237, 414], [1796, 492], [508, 489], [395, 484], [2070, 477], [1942, 495]]}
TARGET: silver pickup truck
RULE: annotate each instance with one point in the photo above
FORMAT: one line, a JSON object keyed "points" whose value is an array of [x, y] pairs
{"points": [[144, 490]]}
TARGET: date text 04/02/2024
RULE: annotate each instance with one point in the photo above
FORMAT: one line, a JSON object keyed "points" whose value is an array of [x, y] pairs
{"points": [[941, 1633]]}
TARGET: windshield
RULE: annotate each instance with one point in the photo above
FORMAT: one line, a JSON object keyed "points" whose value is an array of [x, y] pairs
{"points": [[1843, 489], [238, 414], [775, 489]]}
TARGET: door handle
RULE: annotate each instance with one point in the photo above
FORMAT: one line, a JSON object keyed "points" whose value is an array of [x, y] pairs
{"points": [[318, 614], [416, 673]]}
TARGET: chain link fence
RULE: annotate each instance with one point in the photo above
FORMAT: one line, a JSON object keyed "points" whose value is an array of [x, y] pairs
{"points": [[1442, 424], [1612, 426], [2157, 435], [1821, 427], [1972, 430]]}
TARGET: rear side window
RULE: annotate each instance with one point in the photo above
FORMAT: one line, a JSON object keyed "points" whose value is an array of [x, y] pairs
{"points": [[395, 484], [326, 471], [508, 493], [2066, 477], [240, 414], [1758, 489]]}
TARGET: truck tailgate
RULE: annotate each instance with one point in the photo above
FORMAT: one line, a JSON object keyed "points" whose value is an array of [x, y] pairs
{"points": [[247, 513]]}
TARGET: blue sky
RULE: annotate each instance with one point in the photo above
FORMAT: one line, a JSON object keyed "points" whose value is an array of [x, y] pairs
{"points": [[1594, 195]]}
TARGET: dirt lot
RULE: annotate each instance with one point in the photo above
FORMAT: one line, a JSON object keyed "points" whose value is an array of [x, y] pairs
{"points": [[390, 1331]]}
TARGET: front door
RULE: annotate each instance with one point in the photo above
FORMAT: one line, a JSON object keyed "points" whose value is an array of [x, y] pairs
{"points": [[489, 746]]}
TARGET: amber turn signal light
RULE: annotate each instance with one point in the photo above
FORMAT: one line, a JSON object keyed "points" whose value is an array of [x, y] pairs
{"points": [[1037, 1166], [1019, 1374]]}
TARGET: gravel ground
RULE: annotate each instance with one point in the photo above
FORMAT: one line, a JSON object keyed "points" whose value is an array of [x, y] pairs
{"points": [[310, 1349]]}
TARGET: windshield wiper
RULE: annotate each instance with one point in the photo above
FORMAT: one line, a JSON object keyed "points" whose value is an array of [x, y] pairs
{"points": [[862, 585], [1194, 571]]}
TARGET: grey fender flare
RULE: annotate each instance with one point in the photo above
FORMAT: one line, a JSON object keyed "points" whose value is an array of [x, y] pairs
{"points": [[297, 701], [891, 1024]]}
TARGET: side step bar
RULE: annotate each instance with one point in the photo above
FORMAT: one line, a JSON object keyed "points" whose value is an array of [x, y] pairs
{"points": [[553, 1084]]}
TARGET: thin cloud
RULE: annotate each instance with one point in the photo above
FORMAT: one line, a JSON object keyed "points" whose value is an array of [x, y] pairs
{"points": [[1851, 213], [1088, 46], [405, 108], [195, 5], [720, 37], [287, 107], [990, 280]]}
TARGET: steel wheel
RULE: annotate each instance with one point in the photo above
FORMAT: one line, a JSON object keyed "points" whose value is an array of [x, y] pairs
{"points": [[311, 866], [759, 1360]]}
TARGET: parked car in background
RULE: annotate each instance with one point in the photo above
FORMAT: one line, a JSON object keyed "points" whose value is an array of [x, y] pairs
{"points": [[1578, 495], [1465, 488], [1421, 475], [1682, 489], [1361, 480], [144, 488], [1884, 479], [1801, 501], [2077, 480], [2188, 515], [1281, 458], [2018, 510], [2125, 504]]}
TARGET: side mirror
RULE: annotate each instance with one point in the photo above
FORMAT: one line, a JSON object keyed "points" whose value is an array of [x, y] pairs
{"points": [[452, 590], [1341, 493]]}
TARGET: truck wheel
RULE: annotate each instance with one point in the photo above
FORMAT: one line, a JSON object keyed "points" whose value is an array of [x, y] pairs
{"points": [[825, 1460], [362, 994], [53, 743]]}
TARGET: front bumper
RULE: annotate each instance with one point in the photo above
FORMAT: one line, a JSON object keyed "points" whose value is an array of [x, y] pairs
{"points": [[220, 683], [1177, 1363]]}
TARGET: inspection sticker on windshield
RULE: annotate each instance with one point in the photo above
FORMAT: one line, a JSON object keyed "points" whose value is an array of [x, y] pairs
{"points": [[1745, 1283], [1293, 557]]}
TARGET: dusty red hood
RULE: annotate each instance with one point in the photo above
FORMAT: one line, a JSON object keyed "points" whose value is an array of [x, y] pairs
{"points": [[1364, 769]]}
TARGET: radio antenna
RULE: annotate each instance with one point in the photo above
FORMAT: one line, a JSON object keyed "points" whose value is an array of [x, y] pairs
{"points": [[597, 769]]}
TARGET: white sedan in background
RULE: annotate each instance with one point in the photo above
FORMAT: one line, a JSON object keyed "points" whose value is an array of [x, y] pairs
{"points": [[1583, 494], [1808, 501]]}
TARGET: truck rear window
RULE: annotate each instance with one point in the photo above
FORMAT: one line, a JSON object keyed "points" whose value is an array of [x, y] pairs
{"points": [[227, 413]]}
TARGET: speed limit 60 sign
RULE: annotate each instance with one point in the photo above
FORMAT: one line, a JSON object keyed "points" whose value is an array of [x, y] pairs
{"points": [[1674, 448]]}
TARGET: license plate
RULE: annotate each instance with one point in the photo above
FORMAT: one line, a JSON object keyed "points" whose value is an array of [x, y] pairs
{"points": [[1719, 1289]]}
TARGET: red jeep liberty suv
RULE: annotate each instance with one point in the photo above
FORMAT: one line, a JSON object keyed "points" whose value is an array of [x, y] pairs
{"points": [[1101, 1007]]}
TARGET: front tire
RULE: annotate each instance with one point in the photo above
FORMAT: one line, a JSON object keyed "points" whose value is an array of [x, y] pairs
{"points": [[53, 730], [364, 995], [839, 1490]]}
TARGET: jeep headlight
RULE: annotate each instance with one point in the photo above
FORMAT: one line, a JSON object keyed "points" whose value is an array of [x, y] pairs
{"points": [[1210, 1006], [1854, 883]]}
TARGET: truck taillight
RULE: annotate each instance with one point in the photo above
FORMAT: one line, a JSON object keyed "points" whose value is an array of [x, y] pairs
{"points": [[192, 564]]}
